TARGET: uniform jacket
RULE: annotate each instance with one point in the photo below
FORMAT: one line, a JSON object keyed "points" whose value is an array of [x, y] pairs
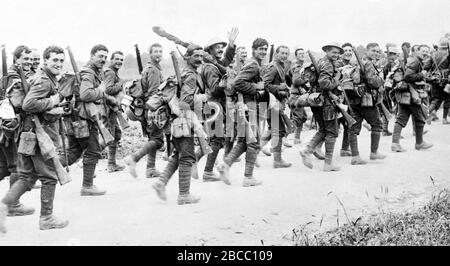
{"points": [[151, 79], [91, 78], [37, 102], [192, 84], [273, 79], [372, 77], [113, 82], [327, 72], [413, 72], [247, 79]]}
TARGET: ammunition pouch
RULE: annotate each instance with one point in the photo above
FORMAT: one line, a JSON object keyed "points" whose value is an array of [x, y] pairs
{"points": [[180, 127], [367, 99], [134, 88], [27, 144], [80, 128], [158, 118]]}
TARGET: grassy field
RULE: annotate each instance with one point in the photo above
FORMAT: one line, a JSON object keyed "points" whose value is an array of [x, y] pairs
{"points": [[427, 226]]}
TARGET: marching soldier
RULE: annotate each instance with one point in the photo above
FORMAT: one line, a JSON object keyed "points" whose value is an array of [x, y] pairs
{"points": [[183, 156], [212, 76], [410, 94], [325, 116], [9, 131], [440, 71], [275, 83], [249, 83], [151, 79], [113, 85], [41, 103], [84, 140], [392, 62], [298, 114], [364, 108]]}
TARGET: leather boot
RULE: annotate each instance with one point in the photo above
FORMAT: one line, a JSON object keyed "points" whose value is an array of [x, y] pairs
{"points": [[329, 149], [52, 222], [445, 121], [278, 162], [286, 143], [318, 151], [250, 181], [47, 219], [187, 199], [131, 164], [420, 144], [89, 189], [210, 177], [357, 160], [15, 208], [224, 170], [346, 153], [160, 187]]}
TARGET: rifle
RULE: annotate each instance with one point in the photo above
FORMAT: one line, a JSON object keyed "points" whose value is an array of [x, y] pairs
{"points": [[63, 140], [198, 129], [271, 53], [138, 58], [23, 80], [48, 151], [333, 98], [4, 64], [379, 102], [91, 109]]}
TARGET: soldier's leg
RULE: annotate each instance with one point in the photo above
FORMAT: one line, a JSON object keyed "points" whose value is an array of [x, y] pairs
{"points": [[91, 155], [25, 179], [224, 167], [332, 132], [345, 147], [401, 120], [250, 161], [316, 139], [279, 133], [112, 149], [354, 131], [186, 155], [216, 144], [445, 111], [373, 117], [47, 176], [420, 120]]}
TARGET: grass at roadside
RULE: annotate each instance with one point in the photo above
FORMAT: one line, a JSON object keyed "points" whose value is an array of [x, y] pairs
{"points": [[429, 226]]}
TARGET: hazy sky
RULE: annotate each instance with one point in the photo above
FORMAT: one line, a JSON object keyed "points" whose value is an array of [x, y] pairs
{"points": [[310, 24]]}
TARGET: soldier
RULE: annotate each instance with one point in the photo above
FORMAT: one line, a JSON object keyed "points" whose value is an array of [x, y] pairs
{"points": [[113, 85], [183, 156], [440, 72], [249, 83], [364, 107], [275, 83], [10, 124], [151, 79], [392, 61], [325, 116], [242, 54], [411, 100], [41, 102], [36, 61], [84, 141], [345, 147], [298, 114], [212, 75]]}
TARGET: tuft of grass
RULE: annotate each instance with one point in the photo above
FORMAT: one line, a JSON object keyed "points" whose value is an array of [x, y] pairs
{"points": [[427, 226]]}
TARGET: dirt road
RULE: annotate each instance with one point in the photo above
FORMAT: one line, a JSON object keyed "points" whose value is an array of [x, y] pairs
{"points": [[131, 214]]}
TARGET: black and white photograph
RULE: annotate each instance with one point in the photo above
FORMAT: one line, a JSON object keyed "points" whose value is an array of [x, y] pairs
{"points": [[230, 123]]}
